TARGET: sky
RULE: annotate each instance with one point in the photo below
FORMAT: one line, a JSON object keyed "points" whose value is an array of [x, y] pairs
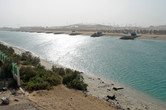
{"points": [[16, 13]]}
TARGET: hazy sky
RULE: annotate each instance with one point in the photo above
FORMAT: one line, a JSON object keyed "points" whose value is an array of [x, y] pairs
{"points": [[15, 13]]}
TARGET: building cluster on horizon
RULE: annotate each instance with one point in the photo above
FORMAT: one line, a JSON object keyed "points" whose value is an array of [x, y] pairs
{"points": [[97, 27]]}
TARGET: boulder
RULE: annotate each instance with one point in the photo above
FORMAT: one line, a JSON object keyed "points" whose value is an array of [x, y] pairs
{"points": [[115, 88], [5, 100], [111, 97], [4, 88]]}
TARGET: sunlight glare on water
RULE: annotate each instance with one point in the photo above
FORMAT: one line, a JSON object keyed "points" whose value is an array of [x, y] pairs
{"points": [[137, 63]]}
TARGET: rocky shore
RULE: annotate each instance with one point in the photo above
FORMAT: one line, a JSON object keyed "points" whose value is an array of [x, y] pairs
{"points": [[124, 97]]}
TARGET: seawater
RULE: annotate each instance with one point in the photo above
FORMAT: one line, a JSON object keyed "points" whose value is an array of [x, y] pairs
{"points": [[140, 64]]}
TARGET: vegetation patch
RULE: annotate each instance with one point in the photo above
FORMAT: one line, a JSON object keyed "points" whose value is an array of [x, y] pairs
{"points": [[34, 76], [71, 78]]}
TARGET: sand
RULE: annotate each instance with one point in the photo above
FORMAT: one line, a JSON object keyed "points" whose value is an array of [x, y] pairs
{"points": [[62, 98], [153, 37]]}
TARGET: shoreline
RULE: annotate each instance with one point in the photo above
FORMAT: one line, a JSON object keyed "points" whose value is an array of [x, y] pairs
{"points": [[126, 98], [89, 33]]}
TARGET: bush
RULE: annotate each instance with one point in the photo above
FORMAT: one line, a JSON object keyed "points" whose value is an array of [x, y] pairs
{"points": [[53, 79], [33, 78], [37, 83], [60, 71], [6, 50], [26, 73], [28, 59], [69, 77], [15, 58], [68, 70], [73, 79], [77, 84]]}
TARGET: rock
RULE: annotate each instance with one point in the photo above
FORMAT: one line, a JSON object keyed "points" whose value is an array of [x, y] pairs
{"points": [[116, 89], [146, 107], [16, 100], [5, 100], [107, 100], [98, 78], [4, 89], [111, 97], [108, 89], [13, 93]]}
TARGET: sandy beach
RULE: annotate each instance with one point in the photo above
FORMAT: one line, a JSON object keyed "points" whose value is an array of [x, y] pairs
{"points": [[98, 90]]}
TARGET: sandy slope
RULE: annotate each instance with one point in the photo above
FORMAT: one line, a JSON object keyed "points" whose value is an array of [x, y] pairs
{"points": [[62, 98]]}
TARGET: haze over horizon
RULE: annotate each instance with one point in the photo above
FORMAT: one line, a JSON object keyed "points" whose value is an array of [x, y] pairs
{"points": [[16, 13]]}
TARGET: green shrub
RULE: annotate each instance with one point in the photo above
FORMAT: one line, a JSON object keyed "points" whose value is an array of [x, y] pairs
{"points": [[69, 77], [40, 66], [33, 78], [68, 70], [52, 78], [60, 71], [15, 58], [6, 50], [26, 55], [26, 73], [77, 84], [37, 83], [73, 79], [28, 59]]}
